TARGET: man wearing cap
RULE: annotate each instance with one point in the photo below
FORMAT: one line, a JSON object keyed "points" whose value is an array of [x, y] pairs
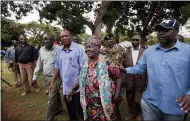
{"points": [[113, 51], [134, 84], [167, 96], [114, 54]]}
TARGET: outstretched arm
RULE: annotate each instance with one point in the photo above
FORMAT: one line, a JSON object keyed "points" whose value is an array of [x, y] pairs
{"points": [[140, 68]]}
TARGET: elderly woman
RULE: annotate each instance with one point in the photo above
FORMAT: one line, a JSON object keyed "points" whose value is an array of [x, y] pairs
{"points": [[99, 85]]}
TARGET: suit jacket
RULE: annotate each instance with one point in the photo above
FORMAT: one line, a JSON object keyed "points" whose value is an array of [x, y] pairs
{"points": [[138, 81]]}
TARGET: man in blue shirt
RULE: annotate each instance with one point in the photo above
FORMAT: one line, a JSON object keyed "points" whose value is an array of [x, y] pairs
{"points": [[167, 96], [10, 60], [69, 61]]}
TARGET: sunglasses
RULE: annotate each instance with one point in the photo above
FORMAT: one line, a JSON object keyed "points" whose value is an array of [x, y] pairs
{"points": [[135, 39]]}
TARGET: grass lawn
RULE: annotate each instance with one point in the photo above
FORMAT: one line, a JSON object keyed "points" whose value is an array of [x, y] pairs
{"points": [[34, 105]]}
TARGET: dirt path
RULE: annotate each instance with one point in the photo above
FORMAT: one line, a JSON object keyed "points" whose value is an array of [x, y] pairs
{"points": [[10, 109]]}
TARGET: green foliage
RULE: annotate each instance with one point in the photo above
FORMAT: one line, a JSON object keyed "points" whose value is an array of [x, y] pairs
{"points": [[85, 37], [19, 9], [9, 28], [103, 42], [123, 38], [35, 32], [153, 41], [69, 14], [145, 14], [131, 16], [187, 40]]}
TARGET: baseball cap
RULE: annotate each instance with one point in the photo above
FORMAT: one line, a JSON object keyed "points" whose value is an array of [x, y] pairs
{"points": [[168, 24]]}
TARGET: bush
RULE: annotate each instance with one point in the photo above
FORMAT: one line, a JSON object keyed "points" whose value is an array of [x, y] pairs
{"points": [[153, 41], [187, 40]]}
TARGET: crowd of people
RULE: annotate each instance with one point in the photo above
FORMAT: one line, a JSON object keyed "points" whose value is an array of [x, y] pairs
{"points": [[93, 79]]}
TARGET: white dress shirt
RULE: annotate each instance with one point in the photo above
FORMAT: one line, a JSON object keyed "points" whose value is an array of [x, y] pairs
{"points": [[135, 54]]}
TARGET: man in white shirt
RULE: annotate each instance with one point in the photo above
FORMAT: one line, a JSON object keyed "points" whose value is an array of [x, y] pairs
{"points": [[134, 84], [46, 62]]}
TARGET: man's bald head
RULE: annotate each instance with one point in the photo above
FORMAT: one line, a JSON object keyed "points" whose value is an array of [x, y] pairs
{"points": [[48, 40], [48, 36], [22, 37]]}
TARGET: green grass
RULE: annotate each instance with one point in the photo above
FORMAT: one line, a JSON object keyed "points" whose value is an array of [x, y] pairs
{"points": [[30, 107]]}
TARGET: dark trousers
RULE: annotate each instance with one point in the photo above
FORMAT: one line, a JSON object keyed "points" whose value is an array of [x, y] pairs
{"points": [[74, 107], [185, 117], [133, 99]]}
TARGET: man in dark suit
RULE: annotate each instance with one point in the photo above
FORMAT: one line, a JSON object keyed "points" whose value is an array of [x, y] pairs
{"points": [[134, 84]]}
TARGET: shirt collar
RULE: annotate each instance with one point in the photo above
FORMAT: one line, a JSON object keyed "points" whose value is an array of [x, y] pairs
{"points": [[176, 46], [137, 49], [71, 47]]}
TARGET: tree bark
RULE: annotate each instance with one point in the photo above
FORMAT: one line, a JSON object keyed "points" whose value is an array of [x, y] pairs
{"points": [[99, 19], [145, 22]]}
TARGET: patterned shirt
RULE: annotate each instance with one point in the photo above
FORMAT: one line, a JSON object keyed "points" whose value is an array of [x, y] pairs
{"points": [[114, 55]]}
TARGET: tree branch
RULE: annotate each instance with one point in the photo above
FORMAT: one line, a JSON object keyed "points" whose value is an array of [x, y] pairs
{"points": [[102, 12]]}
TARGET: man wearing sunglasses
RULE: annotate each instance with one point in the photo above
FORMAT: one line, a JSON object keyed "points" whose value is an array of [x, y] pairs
{"points": [[167, 96], [46, 62]]}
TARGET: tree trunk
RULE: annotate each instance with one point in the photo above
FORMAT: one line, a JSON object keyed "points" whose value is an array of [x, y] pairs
{"points": [[98, 28], [143, 40], [99, 19]]}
